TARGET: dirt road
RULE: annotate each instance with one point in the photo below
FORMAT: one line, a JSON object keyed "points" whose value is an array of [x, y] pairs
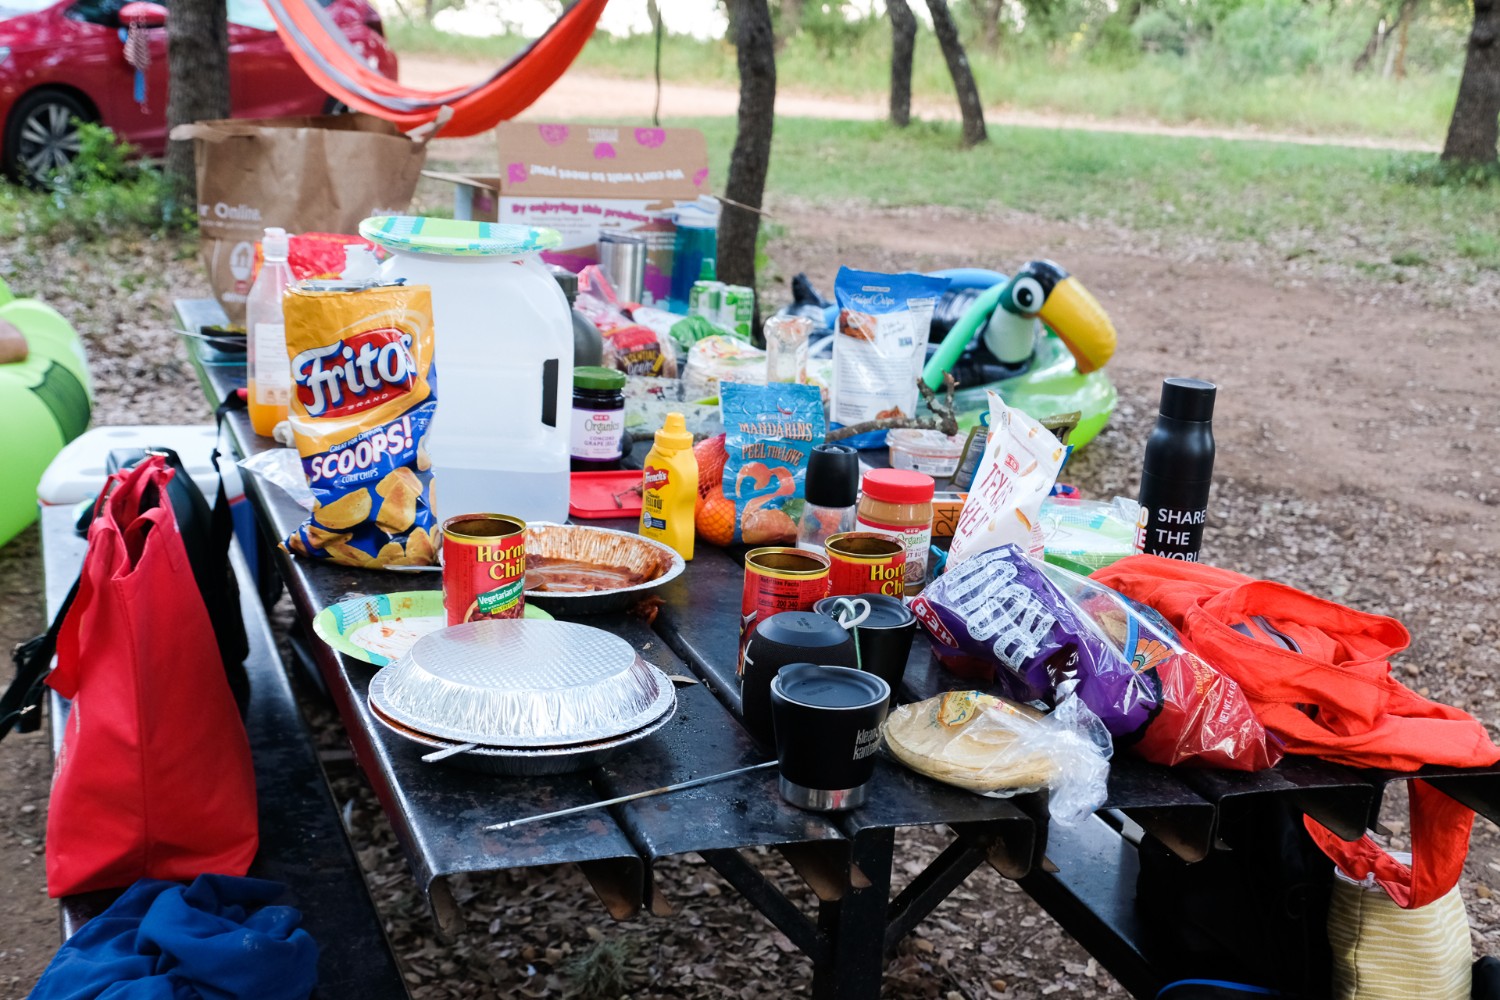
{"points": [[582, 95]]}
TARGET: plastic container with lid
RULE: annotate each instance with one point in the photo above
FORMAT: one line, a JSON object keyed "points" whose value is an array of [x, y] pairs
{"points": [[598, 419], [932, 452], [898, 503], [504, 348]]}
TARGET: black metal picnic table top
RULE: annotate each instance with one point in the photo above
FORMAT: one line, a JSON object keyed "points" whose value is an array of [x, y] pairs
{"points": [[438, 812]]}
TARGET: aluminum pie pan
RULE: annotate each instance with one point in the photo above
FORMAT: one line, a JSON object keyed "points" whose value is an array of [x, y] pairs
{"points": [[521, 684], [600, 547], [526, 763]]}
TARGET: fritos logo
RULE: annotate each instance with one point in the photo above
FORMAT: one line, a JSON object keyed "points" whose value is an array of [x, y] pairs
{"points": [[655, 478], [355, 374]]}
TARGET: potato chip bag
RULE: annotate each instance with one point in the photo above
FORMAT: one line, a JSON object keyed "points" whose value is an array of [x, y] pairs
{"points": [[364, 391]]}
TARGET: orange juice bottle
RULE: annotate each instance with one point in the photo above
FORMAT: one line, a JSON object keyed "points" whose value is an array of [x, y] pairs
{"points": [[669, 488], [268, 371]]}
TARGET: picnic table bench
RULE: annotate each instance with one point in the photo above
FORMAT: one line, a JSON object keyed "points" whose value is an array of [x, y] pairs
{"points": [[1083, 877], [302, 839]]}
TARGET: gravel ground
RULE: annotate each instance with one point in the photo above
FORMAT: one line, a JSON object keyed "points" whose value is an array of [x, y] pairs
{"points": [[1357, 459]]}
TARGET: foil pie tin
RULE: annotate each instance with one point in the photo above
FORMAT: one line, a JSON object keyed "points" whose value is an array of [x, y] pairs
{"points": [[537, 762], [517, 683]]}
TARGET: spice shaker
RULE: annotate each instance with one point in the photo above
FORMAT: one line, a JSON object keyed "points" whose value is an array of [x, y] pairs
{"points": [[831, 492], [1178, 471]]}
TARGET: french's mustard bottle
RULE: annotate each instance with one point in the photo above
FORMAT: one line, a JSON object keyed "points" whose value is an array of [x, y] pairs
{"points": [[669, 487]]}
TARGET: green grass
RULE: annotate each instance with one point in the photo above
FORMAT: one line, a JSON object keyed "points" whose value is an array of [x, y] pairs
{"points": [[1163, 88], [1333, 203]]}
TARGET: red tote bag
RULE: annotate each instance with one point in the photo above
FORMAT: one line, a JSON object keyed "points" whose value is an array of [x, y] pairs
{"points": [[154, 777]]}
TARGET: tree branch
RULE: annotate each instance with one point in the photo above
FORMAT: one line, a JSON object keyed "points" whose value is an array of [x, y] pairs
{"points": [[943, 416]]}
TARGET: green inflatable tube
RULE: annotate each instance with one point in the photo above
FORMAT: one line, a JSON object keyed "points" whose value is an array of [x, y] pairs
{"points": [[47, 400]]}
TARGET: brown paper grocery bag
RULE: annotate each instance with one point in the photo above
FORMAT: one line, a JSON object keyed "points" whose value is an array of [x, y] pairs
{"points": [[305, 174]]}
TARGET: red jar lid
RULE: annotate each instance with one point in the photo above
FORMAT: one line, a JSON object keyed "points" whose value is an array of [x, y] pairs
{"points": [[898, 486]]}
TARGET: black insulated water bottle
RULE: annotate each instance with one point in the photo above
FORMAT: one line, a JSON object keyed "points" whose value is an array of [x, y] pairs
{"points": [[1178, 470]]}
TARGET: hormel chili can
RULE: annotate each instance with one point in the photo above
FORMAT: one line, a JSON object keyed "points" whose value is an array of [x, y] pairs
{"points": [[484, 567], [862, 562], [779, 579]]}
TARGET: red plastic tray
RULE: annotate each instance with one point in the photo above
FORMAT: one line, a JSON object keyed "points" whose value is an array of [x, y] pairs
{"points": [[597, 495]]}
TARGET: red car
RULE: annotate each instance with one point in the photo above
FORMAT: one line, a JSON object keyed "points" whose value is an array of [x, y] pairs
{"points": [[61, 62]]}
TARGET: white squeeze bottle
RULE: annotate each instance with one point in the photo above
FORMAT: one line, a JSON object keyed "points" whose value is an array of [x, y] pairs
{"points": [[270, 373]]}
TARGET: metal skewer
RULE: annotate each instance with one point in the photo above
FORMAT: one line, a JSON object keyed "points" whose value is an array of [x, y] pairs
{"points": [[694, 783], [446, 752]]}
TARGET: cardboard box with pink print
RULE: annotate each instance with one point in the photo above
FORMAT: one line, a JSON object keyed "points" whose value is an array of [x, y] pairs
{"points": [[584, 180]]}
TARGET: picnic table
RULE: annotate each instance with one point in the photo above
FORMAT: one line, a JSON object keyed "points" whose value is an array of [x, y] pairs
{"points": [[1083, 877]]}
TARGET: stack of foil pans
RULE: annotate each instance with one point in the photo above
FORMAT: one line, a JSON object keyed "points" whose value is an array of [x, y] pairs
{"points": [[536, 697]]}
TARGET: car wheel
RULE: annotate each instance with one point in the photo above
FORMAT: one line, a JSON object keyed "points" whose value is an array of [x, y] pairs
{"points": [[41, 136], [334, 106]]}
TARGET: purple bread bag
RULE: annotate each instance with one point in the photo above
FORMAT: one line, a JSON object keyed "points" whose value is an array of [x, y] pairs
{"points": [[996, 617]]}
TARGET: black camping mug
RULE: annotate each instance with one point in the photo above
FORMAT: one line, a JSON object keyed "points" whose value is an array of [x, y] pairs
{"points": [[788, 637], [883, 628], [827, 722]]}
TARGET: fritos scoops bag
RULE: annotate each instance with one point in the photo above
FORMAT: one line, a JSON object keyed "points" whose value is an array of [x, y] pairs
{"points": [[364, 391]]}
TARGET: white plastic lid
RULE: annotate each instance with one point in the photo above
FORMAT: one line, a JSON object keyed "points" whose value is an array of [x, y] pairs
{"points": [[359, 263], [275, 243]]}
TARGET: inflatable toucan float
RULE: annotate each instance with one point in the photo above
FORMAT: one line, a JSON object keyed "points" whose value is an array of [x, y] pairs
{"points": [[1037, 337], [45, 395]]}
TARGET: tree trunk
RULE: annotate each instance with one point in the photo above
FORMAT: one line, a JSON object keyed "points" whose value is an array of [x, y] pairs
{"points": [[197, 80], [1400, 70], [750, 24], [1476, 115], [903, 42], [791, 22], [989, 23], [958, 68], [1362, 61]]}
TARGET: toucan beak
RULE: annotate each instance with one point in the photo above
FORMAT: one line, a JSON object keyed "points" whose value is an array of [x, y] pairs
{"points": [[1081, 323]]}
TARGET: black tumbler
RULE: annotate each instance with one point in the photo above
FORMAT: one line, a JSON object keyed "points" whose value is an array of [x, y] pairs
{"points": [[827, 723], [787, 637], [883, 639], [1178, 470]]}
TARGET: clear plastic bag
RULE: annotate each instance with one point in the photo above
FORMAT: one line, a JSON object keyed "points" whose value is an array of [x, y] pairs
{"points": [[998, 749], [1085, 535]]}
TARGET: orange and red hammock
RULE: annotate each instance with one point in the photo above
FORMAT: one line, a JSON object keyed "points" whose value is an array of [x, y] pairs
{"points": [[327, 56]]}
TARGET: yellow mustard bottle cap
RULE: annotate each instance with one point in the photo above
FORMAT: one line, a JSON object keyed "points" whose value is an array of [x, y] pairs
{"points": [[674, 434]]}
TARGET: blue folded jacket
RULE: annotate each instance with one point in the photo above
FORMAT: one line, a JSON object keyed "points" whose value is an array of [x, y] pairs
{"points": [[213, 940]]}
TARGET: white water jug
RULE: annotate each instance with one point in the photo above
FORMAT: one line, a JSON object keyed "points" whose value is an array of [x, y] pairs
{"points": [[503, 354]]}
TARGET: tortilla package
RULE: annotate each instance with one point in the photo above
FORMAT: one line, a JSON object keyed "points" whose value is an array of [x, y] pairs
{"points": [[1030, 627], [880, 345], [770, 431], [364, 391]]}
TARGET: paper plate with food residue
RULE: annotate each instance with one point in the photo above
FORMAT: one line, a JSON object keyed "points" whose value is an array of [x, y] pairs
{"points": [[380, 628]]}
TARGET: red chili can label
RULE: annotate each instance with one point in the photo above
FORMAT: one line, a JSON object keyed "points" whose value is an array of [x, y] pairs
{"points": [[863, 562], [779, 579], [484, 567]]}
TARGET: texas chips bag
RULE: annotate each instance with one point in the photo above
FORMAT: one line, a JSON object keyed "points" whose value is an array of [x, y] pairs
{"points": [[363, 394]]}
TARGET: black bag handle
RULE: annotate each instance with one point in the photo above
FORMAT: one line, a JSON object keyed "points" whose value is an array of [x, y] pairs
{"points": [[20, 705]]}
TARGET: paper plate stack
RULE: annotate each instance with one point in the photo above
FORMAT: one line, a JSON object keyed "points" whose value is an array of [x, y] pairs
{"points": [[535, 697]]}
